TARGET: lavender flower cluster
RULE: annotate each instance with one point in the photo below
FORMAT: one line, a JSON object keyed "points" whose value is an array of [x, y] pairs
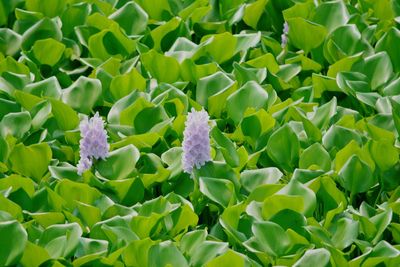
{"points": [[93, 143], [284, 36], [196, 140]]}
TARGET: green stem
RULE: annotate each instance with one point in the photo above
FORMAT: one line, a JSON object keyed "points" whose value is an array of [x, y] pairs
{"points": [[380, 190], [351, 198]]}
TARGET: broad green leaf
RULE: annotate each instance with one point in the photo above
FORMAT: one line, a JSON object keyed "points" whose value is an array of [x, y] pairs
{"points": [[49, 9], [124, 15], [283, 147], [61, 240], [48, 51], [48, 87], [315, 156], [230, 258], [110, 43], [226, 146], [221, 191], [31, 161], [251, 179], [213, 90], [157, 9], [250, 95], [356, 175], [13, 240], [305, 34], [348, 151], [74, 191], [123, 85], [137, 252], [313, 257], [83, 94], [253, 13], [15, 124], [207, 250], [383, 153], [332, 15], [378, 68], [271, 238], [34, 255], [65, 116], [166, 254], [10, 42], [43, 29], [344, 232], [119, 164], [161, 67]]}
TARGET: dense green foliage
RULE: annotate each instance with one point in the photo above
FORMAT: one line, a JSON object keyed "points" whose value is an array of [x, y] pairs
{"points": [[305, 138]]}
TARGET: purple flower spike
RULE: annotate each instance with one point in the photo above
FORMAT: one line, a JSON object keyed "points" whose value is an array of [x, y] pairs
{"points": [[284, 35], [196, 140], [93, 144]]}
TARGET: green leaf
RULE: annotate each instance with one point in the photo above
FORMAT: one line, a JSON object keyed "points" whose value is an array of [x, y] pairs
{"points": [[344, 41], [166, 254], [131, 17], [345, 232], [110, 42], [387, 43], [49, 9], [222, 47], [61, 240], [305, 34], [378, 68], [315, 156], [15, 124], [13, 239], [48, 87], [271, 238], [31, 161], [34, 255], [43, 29], [230, 258], [123, 85], [10, 42], [221, 191], [383, 153], [160, 34], [331, 14], [314, 257], [245, 74], [65, 116], [251, 179], [253, 12], [357, 176], [161, 67], [226, 146], [283, 147], [72, 192], [396, 117], [250, 95], [48, 51], [119, 164], [83, 94], [157, 9], [191, 240], [137, 252], [207, 250], [213, 90]]}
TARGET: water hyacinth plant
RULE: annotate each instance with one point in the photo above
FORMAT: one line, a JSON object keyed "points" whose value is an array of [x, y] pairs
{"points": [[299, 101], [93, 143], [196, 140]]}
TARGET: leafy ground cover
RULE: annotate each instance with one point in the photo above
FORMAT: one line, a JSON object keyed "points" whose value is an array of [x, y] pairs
{"points": [[304, 131]]}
